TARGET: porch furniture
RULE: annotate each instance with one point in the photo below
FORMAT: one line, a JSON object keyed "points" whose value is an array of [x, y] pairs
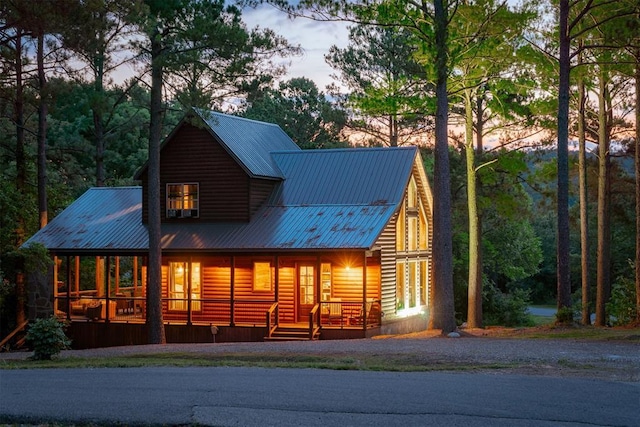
{"points": [[94, 310], [332, 312], [124, 305], [79, 307]]}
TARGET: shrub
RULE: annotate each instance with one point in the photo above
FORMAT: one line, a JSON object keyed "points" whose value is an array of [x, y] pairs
{"points": [[622, 304], [47, 338], [506, 309], [565, 316]]}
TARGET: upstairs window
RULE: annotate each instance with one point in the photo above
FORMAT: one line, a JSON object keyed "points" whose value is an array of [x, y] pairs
{"points": [[182, 200]]}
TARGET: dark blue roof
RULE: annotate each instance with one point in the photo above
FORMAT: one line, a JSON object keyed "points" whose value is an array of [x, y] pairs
{"points": [[328, 199], [250, 142]]}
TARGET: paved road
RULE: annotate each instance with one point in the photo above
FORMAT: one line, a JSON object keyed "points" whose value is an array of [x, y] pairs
{"points": [[310, 397]]}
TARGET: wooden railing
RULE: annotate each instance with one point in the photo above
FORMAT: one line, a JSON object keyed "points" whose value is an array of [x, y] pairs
{"points": [[272, 319], [313, 327], [8, 338]]}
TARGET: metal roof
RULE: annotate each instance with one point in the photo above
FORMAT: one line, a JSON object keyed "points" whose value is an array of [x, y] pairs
{"points": [[250, 142], [329, 199], [352, 176], [103, 219]]}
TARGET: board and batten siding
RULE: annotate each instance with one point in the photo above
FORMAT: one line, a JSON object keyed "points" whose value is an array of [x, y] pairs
{"points": [[194, 155]]}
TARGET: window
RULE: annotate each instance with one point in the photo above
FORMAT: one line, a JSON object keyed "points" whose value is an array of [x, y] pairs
{"points": [[412, 194], [182, 200], [325, 277], [262, 277], [179, 286], [306, 277]]}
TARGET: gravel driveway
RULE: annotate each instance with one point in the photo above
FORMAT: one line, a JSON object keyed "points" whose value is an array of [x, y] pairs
{"points": [[615, 360]]}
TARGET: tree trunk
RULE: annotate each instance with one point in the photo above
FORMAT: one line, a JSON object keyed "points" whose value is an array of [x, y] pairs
{"points": [[604, 248], [637, 167], [21, 177], [42, 134], [563, 280], [442, 313], [97, 120], [154, 278], [584, 212], [474, 297]]}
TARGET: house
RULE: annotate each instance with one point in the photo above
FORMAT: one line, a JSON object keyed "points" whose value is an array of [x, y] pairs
{"points": [[260, 240]]}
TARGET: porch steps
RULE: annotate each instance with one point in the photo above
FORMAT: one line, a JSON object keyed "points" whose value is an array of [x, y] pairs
{"points": [[291, 334]]}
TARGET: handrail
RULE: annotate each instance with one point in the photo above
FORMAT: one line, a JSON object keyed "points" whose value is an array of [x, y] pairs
{"points": [[13, 333], [312, 314], [270, 312]]}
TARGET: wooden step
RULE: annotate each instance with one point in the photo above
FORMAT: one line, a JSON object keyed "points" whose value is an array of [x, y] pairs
{"points": [[290, 334]]}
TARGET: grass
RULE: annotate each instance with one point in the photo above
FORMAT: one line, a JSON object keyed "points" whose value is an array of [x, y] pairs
{"points": [[392, 363]]}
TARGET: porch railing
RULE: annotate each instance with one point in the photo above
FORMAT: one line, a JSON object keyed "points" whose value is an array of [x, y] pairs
{"points": [[333, 314], [272, 319], [314, 326]]}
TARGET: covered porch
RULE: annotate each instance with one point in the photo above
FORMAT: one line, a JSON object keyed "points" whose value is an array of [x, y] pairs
{"points": [[216, 297]]}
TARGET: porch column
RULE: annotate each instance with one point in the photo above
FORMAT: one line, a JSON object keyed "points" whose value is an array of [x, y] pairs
{"points": [[364, 290], [77, 277], [68, 290], [107, 285], [188, 274], [117, 274], [277, 287], [232, 291]]}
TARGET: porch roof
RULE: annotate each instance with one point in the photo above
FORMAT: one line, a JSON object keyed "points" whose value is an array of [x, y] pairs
{"points": [[107, 220]]}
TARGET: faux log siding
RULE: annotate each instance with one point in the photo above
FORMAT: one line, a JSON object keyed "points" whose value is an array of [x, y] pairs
{"points": [[387, 244], [286, 291], [194, 155]]}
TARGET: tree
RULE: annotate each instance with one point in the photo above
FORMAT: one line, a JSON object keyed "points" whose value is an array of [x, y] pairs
{"points": [[98, 31], [302, 111], [387, 88], [175, 32]]}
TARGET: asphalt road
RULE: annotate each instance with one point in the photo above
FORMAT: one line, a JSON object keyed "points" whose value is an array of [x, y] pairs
{"points": [[311, 397]]}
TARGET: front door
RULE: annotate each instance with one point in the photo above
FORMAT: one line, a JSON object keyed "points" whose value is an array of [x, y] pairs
{"points": [[306, 291]]}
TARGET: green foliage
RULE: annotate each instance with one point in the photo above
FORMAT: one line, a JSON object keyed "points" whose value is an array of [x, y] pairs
{"points": [[302, 111], [47, 338], [565, 316], [505, 309], [6, 288], [622, 305]]}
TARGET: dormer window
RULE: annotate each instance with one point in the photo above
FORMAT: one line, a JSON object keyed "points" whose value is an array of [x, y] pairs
{"points": [[182, 200]]}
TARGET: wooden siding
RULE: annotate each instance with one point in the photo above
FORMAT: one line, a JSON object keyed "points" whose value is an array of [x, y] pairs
{"points": [[194, 155], [387, 244], [286, 291], [259, 192]]}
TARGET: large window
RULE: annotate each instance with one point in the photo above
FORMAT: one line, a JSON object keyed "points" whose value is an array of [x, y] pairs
{"points": [[182, 200], [179, 286]]}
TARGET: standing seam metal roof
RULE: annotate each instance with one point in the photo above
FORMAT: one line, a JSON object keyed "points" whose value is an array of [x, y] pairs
{"points": [[251, 142], [329, 199]]}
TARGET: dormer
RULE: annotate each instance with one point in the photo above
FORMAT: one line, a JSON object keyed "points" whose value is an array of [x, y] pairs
{"points": [[216, 168]]}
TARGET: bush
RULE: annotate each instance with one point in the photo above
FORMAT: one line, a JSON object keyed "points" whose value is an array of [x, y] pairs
{"points": [[47, 338], [565, 316], [622, 304], [506, 309]]}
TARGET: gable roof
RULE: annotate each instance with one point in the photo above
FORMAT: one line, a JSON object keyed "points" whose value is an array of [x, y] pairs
{"points": [[249, 142], [328, 200]]}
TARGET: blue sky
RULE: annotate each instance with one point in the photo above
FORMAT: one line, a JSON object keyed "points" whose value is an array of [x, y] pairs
{"points": [[315, 38]]}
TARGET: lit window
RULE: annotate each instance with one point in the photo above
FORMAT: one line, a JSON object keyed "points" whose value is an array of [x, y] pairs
{"points": [[182, 200], [179, 286], [262, 279]]}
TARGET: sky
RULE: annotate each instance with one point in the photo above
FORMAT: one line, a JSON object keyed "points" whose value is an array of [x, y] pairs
{"points": [[314, 37]]}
